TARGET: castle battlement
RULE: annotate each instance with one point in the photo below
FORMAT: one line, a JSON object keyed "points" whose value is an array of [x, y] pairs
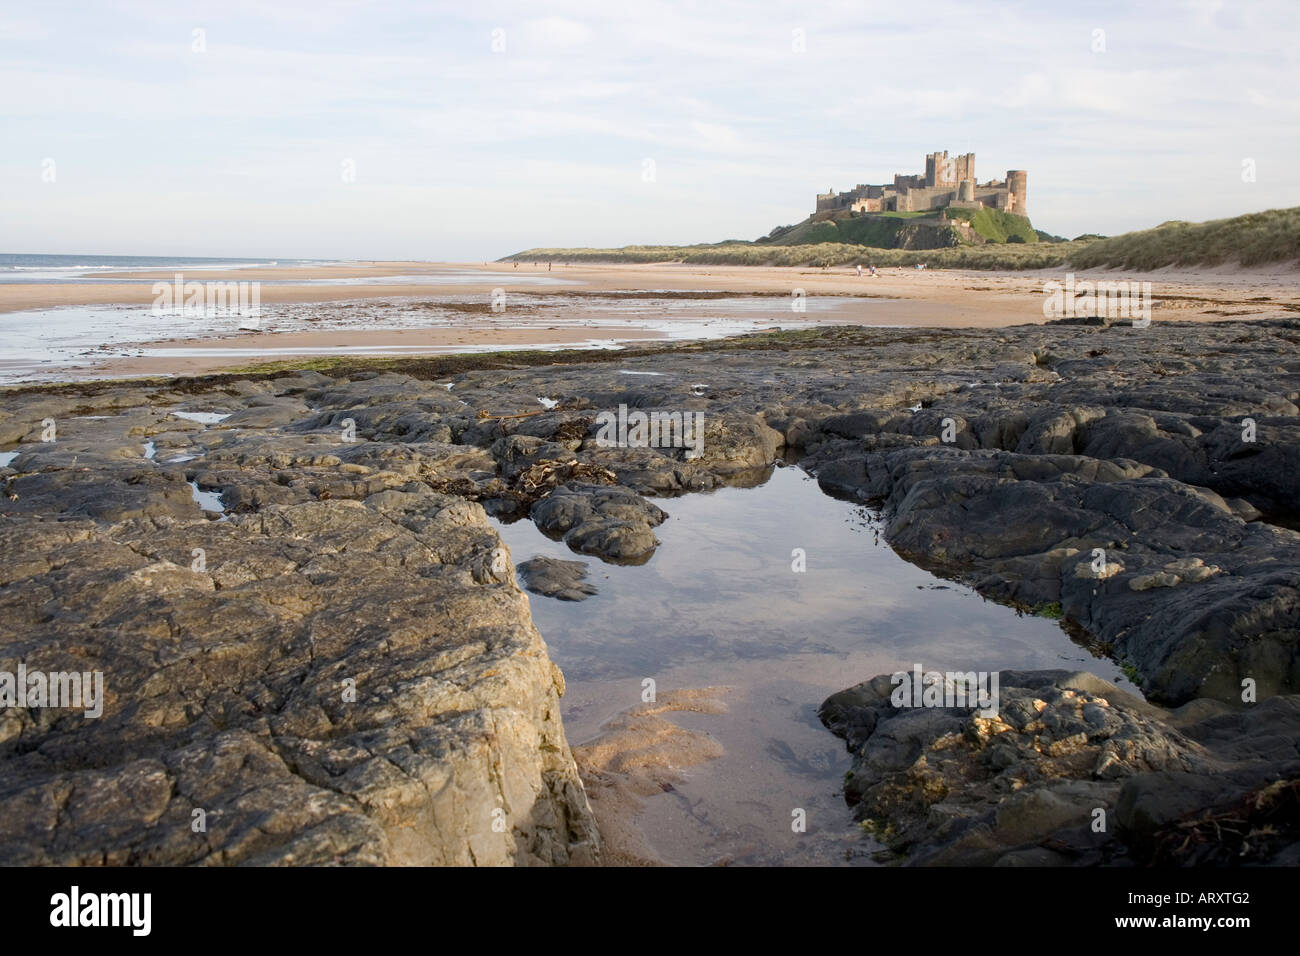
{"points": [[947, 181]]}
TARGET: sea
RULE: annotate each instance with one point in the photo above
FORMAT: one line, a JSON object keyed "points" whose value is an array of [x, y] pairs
{"points": [[32, 268]]}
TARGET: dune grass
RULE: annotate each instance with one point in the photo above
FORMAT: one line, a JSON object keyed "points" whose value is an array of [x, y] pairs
{"points": [[1255, 239], [1010, 256]]}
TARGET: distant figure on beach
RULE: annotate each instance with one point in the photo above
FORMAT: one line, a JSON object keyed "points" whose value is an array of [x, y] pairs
{"points": [[859, 270], [873, 271], [548, 267]]}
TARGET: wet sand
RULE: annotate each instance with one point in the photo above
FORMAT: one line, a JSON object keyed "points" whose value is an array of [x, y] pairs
{"points": [[956, 297], [640, 754], [170, 357], [897, 296]]}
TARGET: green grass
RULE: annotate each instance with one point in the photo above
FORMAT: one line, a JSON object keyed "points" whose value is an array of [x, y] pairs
{"points": [[878, 231], [889, 230], [997, 225], [884, 232], [811, 233]]}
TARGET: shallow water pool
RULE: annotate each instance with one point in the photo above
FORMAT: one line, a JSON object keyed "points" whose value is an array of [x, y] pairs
{"points": [[720, 604]]}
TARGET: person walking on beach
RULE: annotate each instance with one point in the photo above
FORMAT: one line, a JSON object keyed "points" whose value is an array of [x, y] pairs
{"points": [[859, 270]]}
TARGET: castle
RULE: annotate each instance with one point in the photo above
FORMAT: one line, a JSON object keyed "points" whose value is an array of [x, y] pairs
{"points": [[946, 182]]}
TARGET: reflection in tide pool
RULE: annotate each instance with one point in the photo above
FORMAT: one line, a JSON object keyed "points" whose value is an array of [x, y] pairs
{"points": [[719, 604]]}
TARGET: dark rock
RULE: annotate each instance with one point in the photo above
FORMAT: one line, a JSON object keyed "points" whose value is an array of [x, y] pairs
{"points": [[611, 522], [551, 577], [1070, 765]]}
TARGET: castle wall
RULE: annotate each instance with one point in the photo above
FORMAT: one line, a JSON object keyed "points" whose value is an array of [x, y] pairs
{"points": [[995, 197], [946, 181], [919, 200]]}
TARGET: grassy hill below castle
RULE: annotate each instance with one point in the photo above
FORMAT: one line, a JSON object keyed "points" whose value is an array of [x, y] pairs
{"points": [[907, 230], [1263, 238]]}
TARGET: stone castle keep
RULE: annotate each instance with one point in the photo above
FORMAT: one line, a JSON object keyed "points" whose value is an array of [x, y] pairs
{"points": [[946, 182]]}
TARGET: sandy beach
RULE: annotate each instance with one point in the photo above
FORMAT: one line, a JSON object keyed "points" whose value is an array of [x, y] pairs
{"points": [[973, 293], [590, 305]]}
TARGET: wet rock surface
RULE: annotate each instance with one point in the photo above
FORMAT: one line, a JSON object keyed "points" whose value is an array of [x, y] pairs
{"points": [[551, 577], [334, 681], [1071, 770], [1144, 480]]}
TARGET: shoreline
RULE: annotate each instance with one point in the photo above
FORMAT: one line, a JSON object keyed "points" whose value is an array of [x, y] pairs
{"points": [[1209, 284], [670, 300]]}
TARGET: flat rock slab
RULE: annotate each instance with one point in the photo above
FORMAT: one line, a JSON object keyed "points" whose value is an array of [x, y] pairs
{"points": [[332, 681], [552, 577]]}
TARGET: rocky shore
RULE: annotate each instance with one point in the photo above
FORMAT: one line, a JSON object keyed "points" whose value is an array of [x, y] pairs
{"points": [[332, 660], [1072, 771]]}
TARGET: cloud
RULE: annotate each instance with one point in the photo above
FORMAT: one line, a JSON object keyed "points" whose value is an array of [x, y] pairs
{"points": [[536, 140], [715, 136], [556, 33]]}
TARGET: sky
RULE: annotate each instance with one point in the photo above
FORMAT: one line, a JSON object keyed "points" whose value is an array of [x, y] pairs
{"points": [[467, 131]]}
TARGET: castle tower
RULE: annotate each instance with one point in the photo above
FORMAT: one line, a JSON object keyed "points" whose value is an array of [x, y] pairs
{"points": [[1018, 185], [965, 167], [935, 164], [966, 191], [944, 170]]}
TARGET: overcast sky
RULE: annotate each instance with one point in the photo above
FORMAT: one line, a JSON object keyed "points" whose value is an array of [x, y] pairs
{"points": [[473, 130]]}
